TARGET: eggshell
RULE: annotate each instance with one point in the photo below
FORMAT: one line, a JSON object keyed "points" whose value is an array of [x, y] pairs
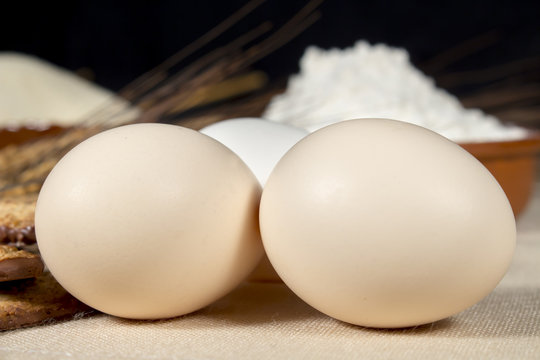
{"points": [[149, 221], [382, 223], [260, 143]]}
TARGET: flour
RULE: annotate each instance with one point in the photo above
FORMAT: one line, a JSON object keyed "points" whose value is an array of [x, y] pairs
{"points": [[377, 81], [34, 92]]}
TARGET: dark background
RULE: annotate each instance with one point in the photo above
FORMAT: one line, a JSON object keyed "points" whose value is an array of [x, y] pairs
{"points": [[113, 42]]}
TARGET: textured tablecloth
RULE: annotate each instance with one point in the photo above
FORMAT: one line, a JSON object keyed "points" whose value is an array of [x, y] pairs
{"points": [[267, 321]]}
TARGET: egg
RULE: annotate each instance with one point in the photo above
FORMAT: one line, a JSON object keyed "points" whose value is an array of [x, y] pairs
{"points": [[149, 221], [261, 144], [382, 223]]}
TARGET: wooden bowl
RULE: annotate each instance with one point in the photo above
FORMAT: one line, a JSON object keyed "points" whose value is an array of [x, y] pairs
{"points": [[19, 135], [512, 163]]}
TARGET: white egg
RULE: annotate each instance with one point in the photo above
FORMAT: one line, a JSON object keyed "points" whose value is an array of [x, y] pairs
{"points": [[149, 221], [260, 143], [382, 223]]}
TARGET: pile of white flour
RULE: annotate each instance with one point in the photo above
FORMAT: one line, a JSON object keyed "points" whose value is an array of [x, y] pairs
{"points": [[34, 92], [377, 81]]}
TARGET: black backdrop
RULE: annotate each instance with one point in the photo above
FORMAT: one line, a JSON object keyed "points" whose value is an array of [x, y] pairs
{"points": [[118, 40]]}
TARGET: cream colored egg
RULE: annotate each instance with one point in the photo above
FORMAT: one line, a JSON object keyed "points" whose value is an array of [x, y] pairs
{"points": [[149, 221], [382, 223]]}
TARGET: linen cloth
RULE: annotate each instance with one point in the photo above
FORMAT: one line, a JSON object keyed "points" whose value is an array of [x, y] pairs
{"points": [[267, 321]]}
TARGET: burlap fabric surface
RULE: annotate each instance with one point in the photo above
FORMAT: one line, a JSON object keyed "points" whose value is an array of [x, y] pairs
{"points": [[267, 321]]}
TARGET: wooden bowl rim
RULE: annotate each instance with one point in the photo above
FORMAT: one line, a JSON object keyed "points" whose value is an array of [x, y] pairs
{"points": [[528, 147]]}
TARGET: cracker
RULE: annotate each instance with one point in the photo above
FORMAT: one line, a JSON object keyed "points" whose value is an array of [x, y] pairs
{"points": [[37, 301], [18, 264]]}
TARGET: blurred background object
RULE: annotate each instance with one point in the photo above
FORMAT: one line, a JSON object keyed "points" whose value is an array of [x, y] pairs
{"points": [[486, 52]]}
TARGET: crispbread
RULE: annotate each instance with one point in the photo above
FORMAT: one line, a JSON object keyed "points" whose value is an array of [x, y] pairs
{"points": [[37, 301], [18, 264]]}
